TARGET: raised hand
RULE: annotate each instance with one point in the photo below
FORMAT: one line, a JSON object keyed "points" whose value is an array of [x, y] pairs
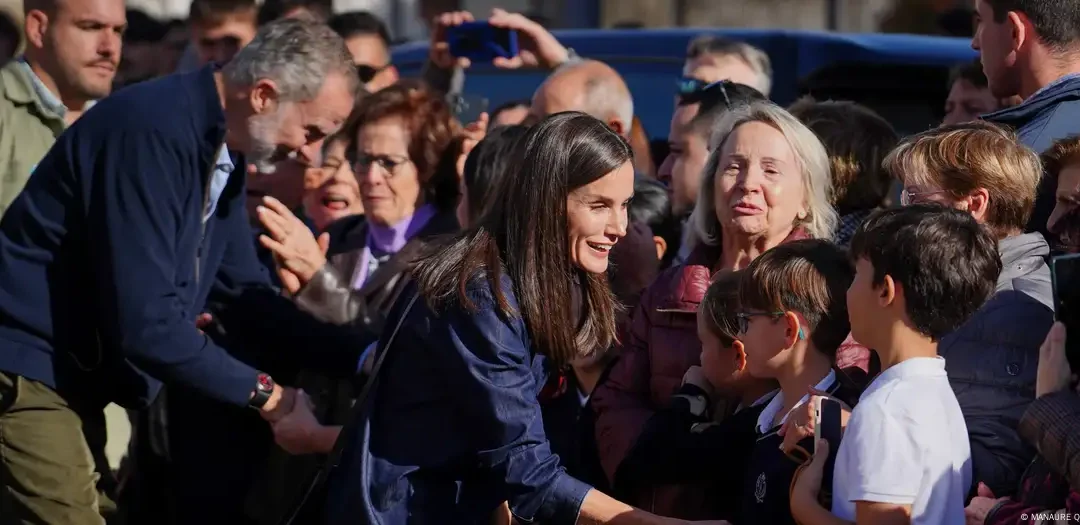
{"points": [[295, 248], [538, 47]]}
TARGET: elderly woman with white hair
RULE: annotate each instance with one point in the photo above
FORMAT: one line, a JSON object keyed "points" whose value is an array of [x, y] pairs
{"points": [[766, 182]]}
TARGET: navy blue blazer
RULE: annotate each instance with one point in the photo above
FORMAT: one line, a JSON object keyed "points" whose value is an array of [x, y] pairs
{"points": [[453, 427], [105, 260]]}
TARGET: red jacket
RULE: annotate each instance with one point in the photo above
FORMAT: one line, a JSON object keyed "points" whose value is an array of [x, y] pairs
{"points": [[657, 347]]}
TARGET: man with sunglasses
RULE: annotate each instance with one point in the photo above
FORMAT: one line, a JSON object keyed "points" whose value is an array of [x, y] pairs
{"points": [[369, 42], [696, 112]]}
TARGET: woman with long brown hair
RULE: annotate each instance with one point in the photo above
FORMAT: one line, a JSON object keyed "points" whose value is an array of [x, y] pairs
{"points": [[452, 427]]}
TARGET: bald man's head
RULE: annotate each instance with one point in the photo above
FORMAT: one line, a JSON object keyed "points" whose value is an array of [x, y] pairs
{"points": [[590, 87]]}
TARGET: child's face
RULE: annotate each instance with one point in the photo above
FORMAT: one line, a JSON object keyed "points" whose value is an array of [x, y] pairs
{"points": [[863, 304], [719, 362], [763, 337]]}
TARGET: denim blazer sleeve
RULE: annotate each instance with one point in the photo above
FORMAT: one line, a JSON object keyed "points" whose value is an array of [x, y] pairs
{"points": [[491, 369]]}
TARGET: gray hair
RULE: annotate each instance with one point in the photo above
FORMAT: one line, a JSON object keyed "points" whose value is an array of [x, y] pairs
{"points": [[298, 54], [605, 95], [821, 219], [720, 46], [605, 98]]}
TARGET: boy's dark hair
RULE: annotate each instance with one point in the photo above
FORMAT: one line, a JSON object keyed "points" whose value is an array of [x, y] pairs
{"points": [[143, 28], [359, 23], [1057, 22], [652, 206], [215, 11], [971, 72], [714, 100], [857, 139], [810, 277], [271, 10], [946, 262], [720, 307]]}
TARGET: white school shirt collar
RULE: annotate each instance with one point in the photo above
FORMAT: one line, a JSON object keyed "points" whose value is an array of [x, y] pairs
{"points": [[765, 420]]}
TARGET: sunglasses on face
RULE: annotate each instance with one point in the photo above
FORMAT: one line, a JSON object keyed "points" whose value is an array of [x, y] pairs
{"points": [[367, 73], [692, 90]]}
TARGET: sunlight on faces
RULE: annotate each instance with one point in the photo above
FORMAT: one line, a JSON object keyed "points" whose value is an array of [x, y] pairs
{"points": [[596, 218], [864, 305], [994, 42], [766, 342], [280, 130], [335, 194], [388, 198], [713, 68], [685, 161], [719, 362], [84, 39], [759, 188]]}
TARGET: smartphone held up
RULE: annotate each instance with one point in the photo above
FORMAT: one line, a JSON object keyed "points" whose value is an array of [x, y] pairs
{"points": [[1065, 276], [481, 41]]}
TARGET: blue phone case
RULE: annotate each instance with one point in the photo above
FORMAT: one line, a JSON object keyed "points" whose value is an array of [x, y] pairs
{"points": [[481, 42]]}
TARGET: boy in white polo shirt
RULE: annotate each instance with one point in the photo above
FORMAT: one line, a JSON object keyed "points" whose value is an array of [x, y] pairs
{"points": [[921, 271]]}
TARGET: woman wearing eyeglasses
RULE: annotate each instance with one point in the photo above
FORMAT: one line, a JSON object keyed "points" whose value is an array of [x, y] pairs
{"points": [[404, 166]]}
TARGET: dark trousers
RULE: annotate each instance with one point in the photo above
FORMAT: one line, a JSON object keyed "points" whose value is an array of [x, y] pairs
{"points": [[52, 457], [194, 461]]}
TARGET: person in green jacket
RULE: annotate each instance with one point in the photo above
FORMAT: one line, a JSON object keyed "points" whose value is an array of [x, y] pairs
{"points": [[72, 53]]}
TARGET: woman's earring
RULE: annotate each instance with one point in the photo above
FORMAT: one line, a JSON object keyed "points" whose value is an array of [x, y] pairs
{"points": [[802, 215]]}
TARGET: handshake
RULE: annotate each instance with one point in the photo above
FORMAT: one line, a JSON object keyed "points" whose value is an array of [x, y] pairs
{"points": [[296, 429]]}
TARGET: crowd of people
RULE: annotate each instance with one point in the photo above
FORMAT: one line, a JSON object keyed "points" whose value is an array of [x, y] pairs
{"points": [[323, 299]]}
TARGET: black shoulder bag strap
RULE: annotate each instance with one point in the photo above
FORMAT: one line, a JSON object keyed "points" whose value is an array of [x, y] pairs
{"points": [[348, 429]]}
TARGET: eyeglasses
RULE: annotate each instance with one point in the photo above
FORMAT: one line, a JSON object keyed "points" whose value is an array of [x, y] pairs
{"points": [[744, 319], [367, 72], [908, 197], [389, 163]]}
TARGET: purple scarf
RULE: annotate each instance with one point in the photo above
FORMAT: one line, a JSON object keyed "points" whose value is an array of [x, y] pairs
{"points": [[388, 240]]}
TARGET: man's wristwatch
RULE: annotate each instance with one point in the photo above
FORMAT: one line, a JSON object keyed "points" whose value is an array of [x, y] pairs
{"points": [[264, 387]]}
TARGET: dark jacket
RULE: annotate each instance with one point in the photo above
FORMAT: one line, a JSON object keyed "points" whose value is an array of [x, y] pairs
{"points": [[1050, 114], [453, 426], [105, 260], [992, 361], [678, 445], [329, 295]]}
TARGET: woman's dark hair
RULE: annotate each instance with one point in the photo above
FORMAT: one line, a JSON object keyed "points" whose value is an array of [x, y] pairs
{"points": [[652, 206], [432, 133], [523, 236], [486, 167]]}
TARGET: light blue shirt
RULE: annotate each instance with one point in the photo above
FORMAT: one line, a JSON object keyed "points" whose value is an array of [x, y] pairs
{"points": [[222, 169]]}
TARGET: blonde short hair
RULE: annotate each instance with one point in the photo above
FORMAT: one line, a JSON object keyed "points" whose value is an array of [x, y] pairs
{"points": [[820, 221], [962, 158]]}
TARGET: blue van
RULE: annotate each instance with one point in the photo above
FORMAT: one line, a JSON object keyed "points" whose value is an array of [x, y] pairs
{"points": [[903, 77]]}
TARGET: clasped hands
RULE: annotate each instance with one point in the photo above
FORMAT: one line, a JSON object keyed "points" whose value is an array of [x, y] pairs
{"points": [[296, 429]]}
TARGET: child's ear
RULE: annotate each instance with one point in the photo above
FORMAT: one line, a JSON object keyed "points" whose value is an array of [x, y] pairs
{"points": [[793, 331], [740, 355], [887, 292]]}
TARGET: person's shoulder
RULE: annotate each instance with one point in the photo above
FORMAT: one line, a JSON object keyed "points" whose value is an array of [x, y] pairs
{"points": [[161, 107]]}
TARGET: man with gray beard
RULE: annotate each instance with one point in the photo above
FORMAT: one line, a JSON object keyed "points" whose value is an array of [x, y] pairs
{"points": [[132, 219]]}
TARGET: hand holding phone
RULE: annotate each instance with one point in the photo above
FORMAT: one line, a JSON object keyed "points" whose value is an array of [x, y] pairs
{"points": [[828, 425], [482, 41]]}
